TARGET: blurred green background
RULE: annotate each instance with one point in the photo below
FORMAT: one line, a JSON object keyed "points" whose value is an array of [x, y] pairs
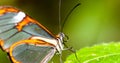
{"points": [[93, 22]]}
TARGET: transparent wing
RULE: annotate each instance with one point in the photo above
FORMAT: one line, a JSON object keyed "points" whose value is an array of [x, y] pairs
{"points": [[9, 33], [27, 53], [34, 29]]}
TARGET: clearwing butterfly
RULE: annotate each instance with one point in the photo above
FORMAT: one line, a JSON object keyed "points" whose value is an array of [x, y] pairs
{"points": [[26, 40]]}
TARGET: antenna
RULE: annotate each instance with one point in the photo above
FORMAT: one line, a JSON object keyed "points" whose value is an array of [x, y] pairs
{"points": [[69, 15], [59, 13]]}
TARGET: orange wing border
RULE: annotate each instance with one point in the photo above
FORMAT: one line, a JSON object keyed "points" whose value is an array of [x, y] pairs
{"points": [[29, 41]]}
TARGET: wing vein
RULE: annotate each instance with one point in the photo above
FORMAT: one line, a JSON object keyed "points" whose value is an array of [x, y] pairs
{"points": [[7, 30], [27, 32], [11, 36]]}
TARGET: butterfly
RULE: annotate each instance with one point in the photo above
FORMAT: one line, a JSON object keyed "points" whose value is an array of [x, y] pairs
{"points": [[25, 39]]}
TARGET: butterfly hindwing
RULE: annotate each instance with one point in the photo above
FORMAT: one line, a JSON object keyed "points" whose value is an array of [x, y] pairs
{"points": [[29, 51]]}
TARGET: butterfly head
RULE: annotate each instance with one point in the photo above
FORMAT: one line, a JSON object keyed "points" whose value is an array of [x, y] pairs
{"points": [[60, 44]]}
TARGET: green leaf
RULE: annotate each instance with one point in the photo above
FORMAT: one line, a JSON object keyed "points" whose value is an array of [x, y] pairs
{"points": [[3, 57], [103, 53]]}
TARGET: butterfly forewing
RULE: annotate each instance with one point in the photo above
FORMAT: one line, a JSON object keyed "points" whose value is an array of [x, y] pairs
{"points": [[9, 32]]}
